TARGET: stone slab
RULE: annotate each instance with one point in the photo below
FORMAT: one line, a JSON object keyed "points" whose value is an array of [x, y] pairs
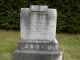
{"points": [[36, 25], [38, 8], [36, 55], [37, 46]]}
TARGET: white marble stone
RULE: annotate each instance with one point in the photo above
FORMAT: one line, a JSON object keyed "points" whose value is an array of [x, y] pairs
{"points": [[38, 25], [38, 8]]}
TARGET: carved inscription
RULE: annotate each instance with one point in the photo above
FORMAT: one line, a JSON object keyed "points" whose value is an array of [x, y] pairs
{"points": [[37, 46]]}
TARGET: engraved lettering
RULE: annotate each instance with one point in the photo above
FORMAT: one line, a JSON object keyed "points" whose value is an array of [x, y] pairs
{"points": [[31, 46], [26, 46], [37, 46]]}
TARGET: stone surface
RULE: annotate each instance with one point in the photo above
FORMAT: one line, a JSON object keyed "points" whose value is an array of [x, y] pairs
{"points": [[38, 34], [39, 46], [37, 8], [36, 55], [38, 25]]}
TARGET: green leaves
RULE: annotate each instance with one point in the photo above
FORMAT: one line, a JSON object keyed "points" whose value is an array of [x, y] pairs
{"points": [[68, 13]]}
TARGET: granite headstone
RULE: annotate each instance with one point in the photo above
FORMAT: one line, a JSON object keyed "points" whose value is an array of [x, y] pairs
{"points": [[38, 34]]}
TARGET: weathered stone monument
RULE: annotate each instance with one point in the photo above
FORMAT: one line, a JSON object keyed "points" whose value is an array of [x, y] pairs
{"points": [[38, 34]]}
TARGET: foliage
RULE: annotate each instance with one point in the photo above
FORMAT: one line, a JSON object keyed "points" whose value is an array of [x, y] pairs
{"points": [[68, 16], [9, 13], [68, 13]]}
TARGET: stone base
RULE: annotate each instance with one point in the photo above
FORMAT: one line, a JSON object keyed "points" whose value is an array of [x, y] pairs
{"points": [[37, 55], [37, 51]]}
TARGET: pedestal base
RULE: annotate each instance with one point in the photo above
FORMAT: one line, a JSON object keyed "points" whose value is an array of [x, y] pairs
{"points": [[37, 51], [37, 55]]}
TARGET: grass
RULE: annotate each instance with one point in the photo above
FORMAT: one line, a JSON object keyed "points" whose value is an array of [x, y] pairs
{"points": [[8, 41], [70, 45]]}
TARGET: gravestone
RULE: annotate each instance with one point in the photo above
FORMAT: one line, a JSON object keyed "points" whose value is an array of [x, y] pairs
{"points": [[38, 34]]}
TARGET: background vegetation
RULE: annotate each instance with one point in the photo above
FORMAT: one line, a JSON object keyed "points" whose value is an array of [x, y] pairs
{"points": [[68, 13]]}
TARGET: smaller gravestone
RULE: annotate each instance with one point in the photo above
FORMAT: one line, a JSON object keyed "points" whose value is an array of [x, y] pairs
{"points": [[38, 34]]}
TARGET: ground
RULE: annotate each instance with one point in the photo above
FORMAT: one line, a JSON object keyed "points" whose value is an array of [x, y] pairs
{"points": [[69, 44]]}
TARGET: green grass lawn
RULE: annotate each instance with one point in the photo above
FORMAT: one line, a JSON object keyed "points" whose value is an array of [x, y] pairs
{"points": [[69, 44]]}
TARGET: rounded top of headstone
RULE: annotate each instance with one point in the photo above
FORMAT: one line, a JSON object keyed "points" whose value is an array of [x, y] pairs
{"points": [[37, 8]]}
